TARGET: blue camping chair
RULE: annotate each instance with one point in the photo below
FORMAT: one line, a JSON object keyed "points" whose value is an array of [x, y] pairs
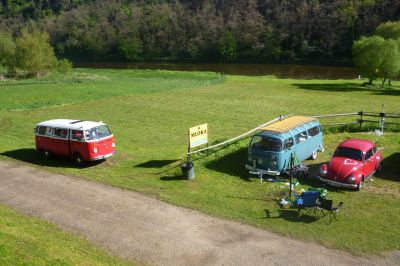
{"points": [[308, 201]]}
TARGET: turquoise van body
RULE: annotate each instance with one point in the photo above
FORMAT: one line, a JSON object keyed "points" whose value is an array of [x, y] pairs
{"points": [[270, 150]]}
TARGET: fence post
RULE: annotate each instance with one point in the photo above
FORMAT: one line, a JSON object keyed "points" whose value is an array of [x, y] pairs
{"points": [[361, 116], [382, 114]]}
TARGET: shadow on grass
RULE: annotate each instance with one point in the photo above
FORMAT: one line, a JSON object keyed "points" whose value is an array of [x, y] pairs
{"points": [[172, 178], [34, 157], [312, 181], [348, 87], [291, 215], [231, 164], [390, 168], [156, 163]]}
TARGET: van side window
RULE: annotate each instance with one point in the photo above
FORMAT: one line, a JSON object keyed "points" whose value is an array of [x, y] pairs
{"points": [[313, 131], [301, 137], [77, 135], [42, 130], [288, 143], [369, 154], [49, 131], [61, 133]]}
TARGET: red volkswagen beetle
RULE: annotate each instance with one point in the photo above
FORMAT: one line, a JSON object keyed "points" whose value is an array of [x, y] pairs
{"points": [[353, 162]]}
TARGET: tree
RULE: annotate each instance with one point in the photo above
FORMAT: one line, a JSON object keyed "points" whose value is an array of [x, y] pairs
{"points": [[365, 54], [377, 58], [34, 53], [227, 46], [389, 63], [7, 52], [389, 30]]}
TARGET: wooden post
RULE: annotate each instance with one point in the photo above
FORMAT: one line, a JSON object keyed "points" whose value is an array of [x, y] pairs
{"points": [[382, 114], [361, 116]]}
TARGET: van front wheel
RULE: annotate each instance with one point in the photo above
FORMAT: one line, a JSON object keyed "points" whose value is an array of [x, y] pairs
{"points": [[78, 160], [314, 155]]}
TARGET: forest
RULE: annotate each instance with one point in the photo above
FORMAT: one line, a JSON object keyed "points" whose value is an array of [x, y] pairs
{"points": [[200, 30]]}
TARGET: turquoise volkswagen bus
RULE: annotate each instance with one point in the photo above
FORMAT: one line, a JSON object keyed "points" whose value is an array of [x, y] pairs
{"points": [[270, 149]]}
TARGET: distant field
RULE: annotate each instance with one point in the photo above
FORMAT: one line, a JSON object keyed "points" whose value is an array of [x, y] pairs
{"points": [[150, 113]]}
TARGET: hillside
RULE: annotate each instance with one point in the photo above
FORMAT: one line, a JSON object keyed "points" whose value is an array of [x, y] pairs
{"points": [[204, 30]]}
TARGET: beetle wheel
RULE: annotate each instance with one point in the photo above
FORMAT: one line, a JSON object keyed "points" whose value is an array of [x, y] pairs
{"points": [[359, 186]]}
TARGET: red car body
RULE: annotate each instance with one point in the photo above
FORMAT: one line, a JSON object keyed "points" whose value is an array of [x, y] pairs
{"points": [[81, 140], [353, 162]]}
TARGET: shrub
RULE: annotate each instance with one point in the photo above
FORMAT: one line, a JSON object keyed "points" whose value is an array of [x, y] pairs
{"points": [[34, 53], [64, 66]]}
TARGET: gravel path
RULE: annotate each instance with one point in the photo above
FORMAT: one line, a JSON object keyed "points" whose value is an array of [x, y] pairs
{"points": [[142, 228]]}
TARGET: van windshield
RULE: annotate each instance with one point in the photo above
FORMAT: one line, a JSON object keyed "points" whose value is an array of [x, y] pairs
{"points": [[97, 132], [266, 143]]}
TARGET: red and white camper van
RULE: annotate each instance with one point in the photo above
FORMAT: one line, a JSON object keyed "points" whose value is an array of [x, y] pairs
{"points": [[81, 140]]}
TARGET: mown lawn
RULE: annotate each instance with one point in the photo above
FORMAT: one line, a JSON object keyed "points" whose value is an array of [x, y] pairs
{"points": [[30, 241], [150, 113]]}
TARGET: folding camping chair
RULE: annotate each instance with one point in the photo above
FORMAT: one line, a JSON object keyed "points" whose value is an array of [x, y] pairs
{"points": [[308, 201], [326, 206]]}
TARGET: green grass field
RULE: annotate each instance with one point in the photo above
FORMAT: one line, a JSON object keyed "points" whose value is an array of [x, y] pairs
{"points": [[150, 112], [30, 241]]}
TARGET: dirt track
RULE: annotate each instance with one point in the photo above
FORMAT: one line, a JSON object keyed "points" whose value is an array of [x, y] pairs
{"points": [[135, 226]]}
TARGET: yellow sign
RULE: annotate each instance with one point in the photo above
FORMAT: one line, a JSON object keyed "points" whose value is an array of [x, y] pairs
{"points": [[198, 135]]}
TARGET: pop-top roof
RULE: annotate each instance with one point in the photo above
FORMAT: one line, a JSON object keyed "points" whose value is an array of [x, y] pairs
{"points": [[288, 124], [70, 124]]}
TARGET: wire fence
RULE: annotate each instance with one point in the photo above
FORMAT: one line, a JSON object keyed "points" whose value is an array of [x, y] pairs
{"points": [[381, 119]]}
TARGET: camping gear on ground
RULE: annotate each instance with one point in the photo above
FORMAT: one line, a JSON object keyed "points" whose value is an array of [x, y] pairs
{"points": [[322, 191], [307, 201], [326, 206]]}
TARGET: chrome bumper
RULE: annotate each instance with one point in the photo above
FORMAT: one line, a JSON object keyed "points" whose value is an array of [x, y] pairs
{"points": [[101, 157], [336, 184], [255, 170]]}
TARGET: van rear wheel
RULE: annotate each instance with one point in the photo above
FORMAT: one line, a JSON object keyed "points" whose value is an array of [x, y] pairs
{"points": [[46, 154], [78, 160], [314, 155]]}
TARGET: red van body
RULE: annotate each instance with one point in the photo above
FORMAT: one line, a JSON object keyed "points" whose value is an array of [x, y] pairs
{"points": [[81, 140]]}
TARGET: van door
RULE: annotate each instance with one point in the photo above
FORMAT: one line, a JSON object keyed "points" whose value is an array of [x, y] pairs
{"points": [[60, 142], [314, 139], [301, 145]]}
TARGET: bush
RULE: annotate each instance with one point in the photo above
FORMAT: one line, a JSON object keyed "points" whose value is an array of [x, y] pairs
{"points": [[34, 53], [7, 52], [64, 66]]}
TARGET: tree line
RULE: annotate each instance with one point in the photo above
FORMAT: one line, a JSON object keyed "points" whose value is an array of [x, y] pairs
{"points": [[199, 30]]}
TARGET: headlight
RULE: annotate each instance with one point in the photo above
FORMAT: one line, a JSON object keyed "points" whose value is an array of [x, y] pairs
{"points": [[259, 161], [351, 179], [323, 172], [273, 163], [95, 150]]}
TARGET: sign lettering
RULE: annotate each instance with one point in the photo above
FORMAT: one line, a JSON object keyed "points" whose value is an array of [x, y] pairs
{"points": [[198, 135]]}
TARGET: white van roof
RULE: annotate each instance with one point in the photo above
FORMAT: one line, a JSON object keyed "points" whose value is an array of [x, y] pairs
{"points": [[70, 124]]}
